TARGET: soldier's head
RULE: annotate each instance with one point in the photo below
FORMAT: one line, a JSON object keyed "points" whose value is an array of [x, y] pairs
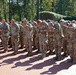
{"points": [[44, 22], [50, 23], [34, 23], [61, 21], [73, 21], [12, 22], [3, 21], [24, 21], [39, 22], [48, 20]]}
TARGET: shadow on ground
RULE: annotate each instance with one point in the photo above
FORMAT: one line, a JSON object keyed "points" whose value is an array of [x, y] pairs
{"points": [[34, 58]]}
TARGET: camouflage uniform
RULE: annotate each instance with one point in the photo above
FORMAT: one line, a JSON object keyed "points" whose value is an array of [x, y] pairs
{"points": [[37, 37], [21, 36], [43, 29], [4, 35], [51, 37], [72, 44], [65, 39], [28, 30], [34, 34], [0, 28], [14, 32], [58, 40]]}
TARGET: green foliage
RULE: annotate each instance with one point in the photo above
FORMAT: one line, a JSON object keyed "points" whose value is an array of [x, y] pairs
{"points": [[31, 8]]}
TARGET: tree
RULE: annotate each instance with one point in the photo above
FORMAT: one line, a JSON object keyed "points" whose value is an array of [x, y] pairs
{"points": [[31, 8]]}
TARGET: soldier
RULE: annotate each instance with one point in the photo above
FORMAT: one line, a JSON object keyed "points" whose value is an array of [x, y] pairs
{"points": [[43, 29], [28, 30], [0, 28], [65, 38], [34, 34], [21, 36], [74, 23], [14, 32], [4, 30], [72, 43], [51, 37], [58, 40], [73, 53]]}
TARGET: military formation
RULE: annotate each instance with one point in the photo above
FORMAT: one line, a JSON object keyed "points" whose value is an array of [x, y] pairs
{"points": [[46, 36]]}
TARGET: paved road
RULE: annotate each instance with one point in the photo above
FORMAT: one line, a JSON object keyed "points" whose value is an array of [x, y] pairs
{"points": [[20, 64]]}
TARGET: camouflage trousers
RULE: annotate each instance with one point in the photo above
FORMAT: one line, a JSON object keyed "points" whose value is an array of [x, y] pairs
{"points": [[58, 45], [34, 37], [5, 42], [15, 43], [28, 44], [21, 40], [43, 45], [37, 42], [65, 43], [72, 51], [51, 43]]}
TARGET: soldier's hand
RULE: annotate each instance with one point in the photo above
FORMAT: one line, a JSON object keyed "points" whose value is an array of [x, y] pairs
{"points": [[41, 31]]}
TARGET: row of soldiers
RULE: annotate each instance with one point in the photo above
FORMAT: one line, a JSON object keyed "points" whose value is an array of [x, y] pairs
{"points": [[42, 35]]}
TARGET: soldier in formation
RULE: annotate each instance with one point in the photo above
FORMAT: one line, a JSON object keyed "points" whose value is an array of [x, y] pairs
{"points": [[4, 34], [27, 31], [45, 36], [51, 37], [43, 30], [21, 36], [14, 33]]}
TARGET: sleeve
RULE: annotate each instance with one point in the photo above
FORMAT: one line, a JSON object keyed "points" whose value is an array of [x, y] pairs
{"points": [[10, 31], [61, 30], [17, 29], [7, 28]]}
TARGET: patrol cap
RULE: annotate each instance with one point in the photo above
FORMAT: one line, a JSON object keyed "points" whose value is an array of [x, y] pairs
{"points": [[73, 21], [50, 23], [34, 22], [44, 22], [13, 20], [3, 21], [62, 20], [48, 20], [39, 21], [24, 20]]}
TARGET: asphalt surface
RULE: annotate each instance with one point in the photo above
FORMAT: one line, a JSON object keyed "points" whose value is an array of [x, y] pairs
{"points": [[21, 64]]}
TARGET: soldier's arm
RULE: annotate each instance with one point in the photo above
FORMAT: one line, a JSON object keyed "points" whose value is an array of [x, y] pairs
{"points": [[17, 29], [7, 28], [10, 31], [61, 30], [46, 28], [22, 29]]}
